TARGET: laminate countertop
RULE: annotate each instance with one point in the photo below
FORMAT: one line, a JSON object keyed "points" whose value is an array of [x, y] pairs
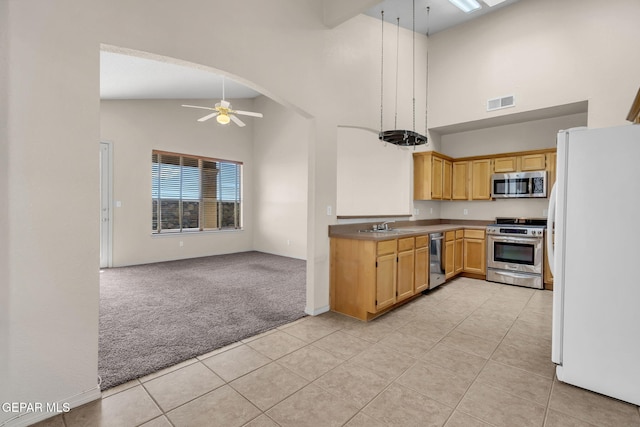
{"points": [[399, 231]]}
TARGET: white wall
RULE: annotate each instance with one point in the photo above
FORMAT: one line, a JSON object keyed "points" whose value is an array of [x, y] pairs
{"points": [[5, 249], [284, 49], [135, 128], [546, 53], [372, 176], [50, 316], [531, 135], [280, 161], [281, 47]]}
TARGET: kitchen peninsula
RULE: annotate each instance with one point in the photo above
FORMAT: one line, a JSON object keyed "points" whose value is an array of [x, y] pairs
{"points": [[373, 272]]}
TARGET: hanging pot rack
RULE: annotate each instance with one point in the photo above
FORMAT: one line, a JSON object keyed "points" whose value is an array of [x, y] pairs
{"points": [[400, 137]]}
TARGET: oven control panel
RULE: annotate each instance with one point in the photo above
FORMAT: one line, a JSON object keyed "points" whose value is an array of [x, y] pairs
{"points": [[502, 230]]}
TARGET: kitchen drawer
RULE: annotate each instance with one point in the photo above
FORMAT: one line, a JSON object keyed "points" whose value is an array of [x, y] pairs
{"points": [[387, 247], [474, 234], [459, 234], [405, 244], [449, 236], [422, 241]]}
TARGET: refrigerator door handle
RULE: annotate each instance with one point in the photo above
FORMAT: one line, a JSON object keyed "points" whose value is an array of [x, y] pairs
{"points": [[551, 215]]}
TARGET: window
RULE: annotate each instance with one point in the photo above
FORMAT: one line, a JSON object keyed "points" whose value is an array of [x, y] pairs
{"points": [[191, 193]]}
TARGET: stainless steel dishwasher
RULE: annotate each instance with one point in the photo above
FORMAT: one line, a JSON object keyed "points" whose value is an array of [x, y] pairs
{"points": [[436, 264]]}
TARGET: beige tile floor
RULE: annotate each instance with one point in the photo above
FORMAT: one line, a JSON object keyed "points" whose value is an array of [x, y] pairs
{"points": [[471, 353]]}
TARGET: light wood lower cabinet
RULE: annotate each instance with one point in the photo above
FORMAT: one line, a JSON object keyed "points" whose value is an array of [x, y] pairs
{"points": [[449, 254], [406, 267], [475, 250], [459, 252], [368, 278], [421, 280]]}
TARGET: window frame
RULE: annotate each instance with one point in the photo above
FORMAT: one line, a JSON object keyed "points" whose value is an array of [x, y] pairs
{"points": [[156, 202]]}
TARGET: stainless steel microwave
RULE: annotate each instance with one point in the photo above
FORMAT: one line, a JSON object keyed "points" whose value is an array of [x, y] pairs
{"points": [[519, 184]]}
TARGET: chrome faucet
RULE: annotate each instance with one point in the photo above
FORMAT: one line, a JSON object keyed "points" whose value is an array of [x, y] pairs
{"points": [[384, 225]]}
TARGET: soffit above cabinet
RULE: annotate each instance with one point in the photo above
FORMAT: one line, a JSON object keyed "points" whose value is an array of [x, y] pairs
{"points": [[510, 119]]}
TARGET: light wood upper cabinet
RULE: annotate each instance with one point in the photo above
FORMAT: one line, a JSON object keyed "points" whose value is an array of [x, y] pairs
{"points": [[436, 177], [446, 180], [431, 176], [481, 179], [532, 162], [505, 164], [527, 162], [460, 181], [551, 171]]}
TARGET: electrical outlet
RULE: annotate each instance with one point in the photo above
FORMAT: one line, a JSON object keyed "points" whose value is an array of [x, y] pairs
{"points": [[181, 243], [465, 212], [431, 210], [288, 242], [328, 210], [416, 211]]}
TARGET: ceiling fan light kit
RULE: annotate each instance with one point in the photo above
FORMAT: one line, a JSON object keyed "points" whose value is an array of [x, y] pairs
{"points": [[223, 112], [400, 137], [223, 119]]}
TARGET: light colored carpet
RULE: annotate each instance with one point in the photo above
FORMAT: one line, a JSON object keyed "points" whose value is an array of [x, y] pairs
{"points": [[156, 315]]}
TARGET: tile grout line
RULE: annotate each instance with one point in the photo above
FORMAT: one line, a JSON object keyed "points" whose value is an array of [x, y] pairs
{"points": [[486, 362]]}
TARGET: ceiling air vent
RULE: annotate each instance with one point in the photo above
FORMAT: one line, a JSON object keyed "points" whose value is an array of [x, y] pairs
{"points": [[498, 103]]}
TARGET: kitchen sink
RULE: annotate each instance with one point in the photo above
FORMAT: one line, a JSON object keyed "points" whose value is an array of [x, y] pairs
{"points": [[388, 231]]}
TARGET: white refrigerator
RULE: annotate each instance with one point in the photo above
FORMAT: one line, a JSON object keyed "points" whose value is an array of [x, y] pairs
{"points": [[595, 205]]}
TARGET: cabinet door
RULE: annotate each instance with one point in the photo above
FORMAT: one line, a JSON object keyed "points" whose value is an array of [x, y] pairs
{"points": [[532, 162], [475, 256], [460, 181], [421, 269], [436, 177], [481, 179], [449, 259], [505, 164], [446, 180], [385, 281], [551, 171], [421, 176], [459, 256], [406, 273]]}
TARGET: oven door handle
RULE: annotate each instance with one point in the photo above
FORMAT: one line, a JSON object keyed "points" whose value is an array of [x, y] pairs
{"points": [[510, 274], [515, 239]]}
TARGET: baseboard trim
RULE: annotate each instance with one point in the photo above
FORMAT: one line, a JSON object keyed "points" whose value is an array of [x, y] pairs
{"points": [[317, 311], [30, 418]]}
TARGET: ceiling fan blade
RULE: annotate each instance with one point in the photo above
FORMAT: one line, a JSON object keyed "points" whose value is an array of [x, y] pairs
{"points": [[208, 116], [225, 104], [236, 120], [198, 106], [248, 113]]}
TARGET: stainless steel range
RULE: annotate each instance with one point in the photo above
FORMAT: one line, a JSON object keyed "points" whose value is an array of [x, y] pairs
{"points": [[515, 251]]}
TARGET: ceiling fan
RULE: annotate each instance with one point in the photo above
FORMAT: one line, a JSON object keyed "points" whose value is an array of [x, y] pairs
{"points": [[223, 112]]}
